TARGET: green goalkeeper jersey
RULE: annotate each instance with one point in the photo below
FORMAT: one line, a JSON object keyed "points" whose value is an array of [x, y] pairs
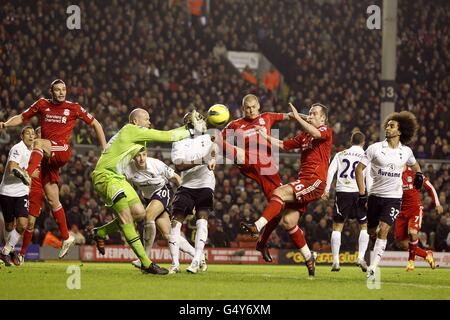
{"points": [[126, 143]]}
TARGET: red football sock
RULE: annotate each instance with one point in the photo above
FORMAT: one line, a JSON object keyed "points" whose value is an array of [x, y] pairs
{"points": [[268, 229], [27, 236], [415, 250], [35, 160], [420, 252], [297, 237], [60, 218], [273, 208]]}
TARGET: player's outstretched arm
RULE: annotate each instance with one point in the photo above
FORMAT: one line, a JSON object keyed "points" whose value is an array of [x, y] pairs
{"points": [[100, 133], [313, 131], [290, 116], [434, 196], [144, 134], [14, 121], [272, 140]]}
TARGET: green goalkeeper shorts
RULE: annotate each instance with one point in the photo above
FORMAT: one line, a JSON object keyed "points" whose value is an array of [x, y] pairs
{"points": [[110, 186]]}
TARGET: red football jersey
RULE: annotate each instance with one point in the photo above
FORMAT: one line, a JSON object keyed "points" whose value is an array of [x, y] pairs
{"points": [[57, 120], [411, 196], [244, 131], [315, 153]]}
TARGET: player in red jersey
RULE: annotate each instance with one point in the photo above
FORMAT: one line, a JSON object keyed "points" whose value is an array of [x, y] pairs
{"points": [[252, 163], [409, 221], [294, 197], [57, 118], [36, 199]]}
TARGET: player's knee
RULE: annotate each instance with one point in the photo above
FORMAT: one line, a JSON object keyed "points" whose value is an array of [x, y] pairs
{"points": [[30, 226], [126, 217], [287, 222], [338, 227], [138, 215], [53, 200], [31, 222], [21, 226], [280, 193], [202, 214]]}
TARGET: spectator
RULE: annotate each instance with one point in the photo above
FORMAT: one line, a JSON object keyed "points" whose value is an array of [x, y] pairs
{"points": [[272, 80], [79, 237], [249, 76]]}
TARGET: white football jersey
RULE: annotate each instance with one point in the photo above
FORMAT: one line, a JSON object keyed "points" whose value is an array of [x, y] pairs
{"points": [[344, 164], [386, 167], [12, 186], [151, 179], [195, 149]]}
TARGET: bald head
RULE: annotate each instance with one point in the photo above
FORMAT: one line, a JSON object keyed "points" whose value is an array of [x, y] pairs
{"points": [[250, 106], [139, 117], [249, 98]]}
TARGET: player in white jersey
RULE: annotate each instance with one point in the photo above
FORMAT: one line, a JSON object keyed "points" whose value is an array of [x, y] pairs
{"points": [[196, 192], [151, 177], [14, 196], [345, 205], [387, 160]]}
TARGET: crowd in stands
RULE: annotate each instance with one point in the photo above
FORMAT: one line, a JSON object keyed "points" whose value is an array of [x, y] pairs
{"points": [[157, 56]]}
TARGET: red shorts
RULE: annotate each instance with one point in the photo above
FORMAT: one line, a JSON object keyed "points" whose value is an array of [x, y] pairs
{"points": [[410, 218], [60, 155], [268, 183], [36, 196], [306, 191]]}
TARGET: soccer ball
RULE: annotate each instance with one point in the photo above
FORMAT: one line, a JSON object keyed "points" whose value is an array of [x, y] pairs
{"points": [[218, 115]]}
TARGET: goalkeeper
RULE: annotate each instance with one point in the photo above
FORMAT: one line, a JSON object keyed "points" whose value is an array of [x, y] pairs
{"points": [[110, 182]]}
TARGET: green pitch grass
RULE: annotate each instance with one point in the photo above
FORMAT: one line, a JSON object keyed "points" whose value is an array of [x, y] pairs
{"points": [[47, 280]]}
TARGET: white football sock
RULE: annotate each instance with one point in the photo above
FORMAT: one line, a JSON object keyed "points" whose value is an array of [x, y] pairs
{"points": [[378, 251], [149, 236], [174, 242], [306, 252], [11, 240], [335, 245], [186, 247], [363, 242], [200, 239], [260, 223]]}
